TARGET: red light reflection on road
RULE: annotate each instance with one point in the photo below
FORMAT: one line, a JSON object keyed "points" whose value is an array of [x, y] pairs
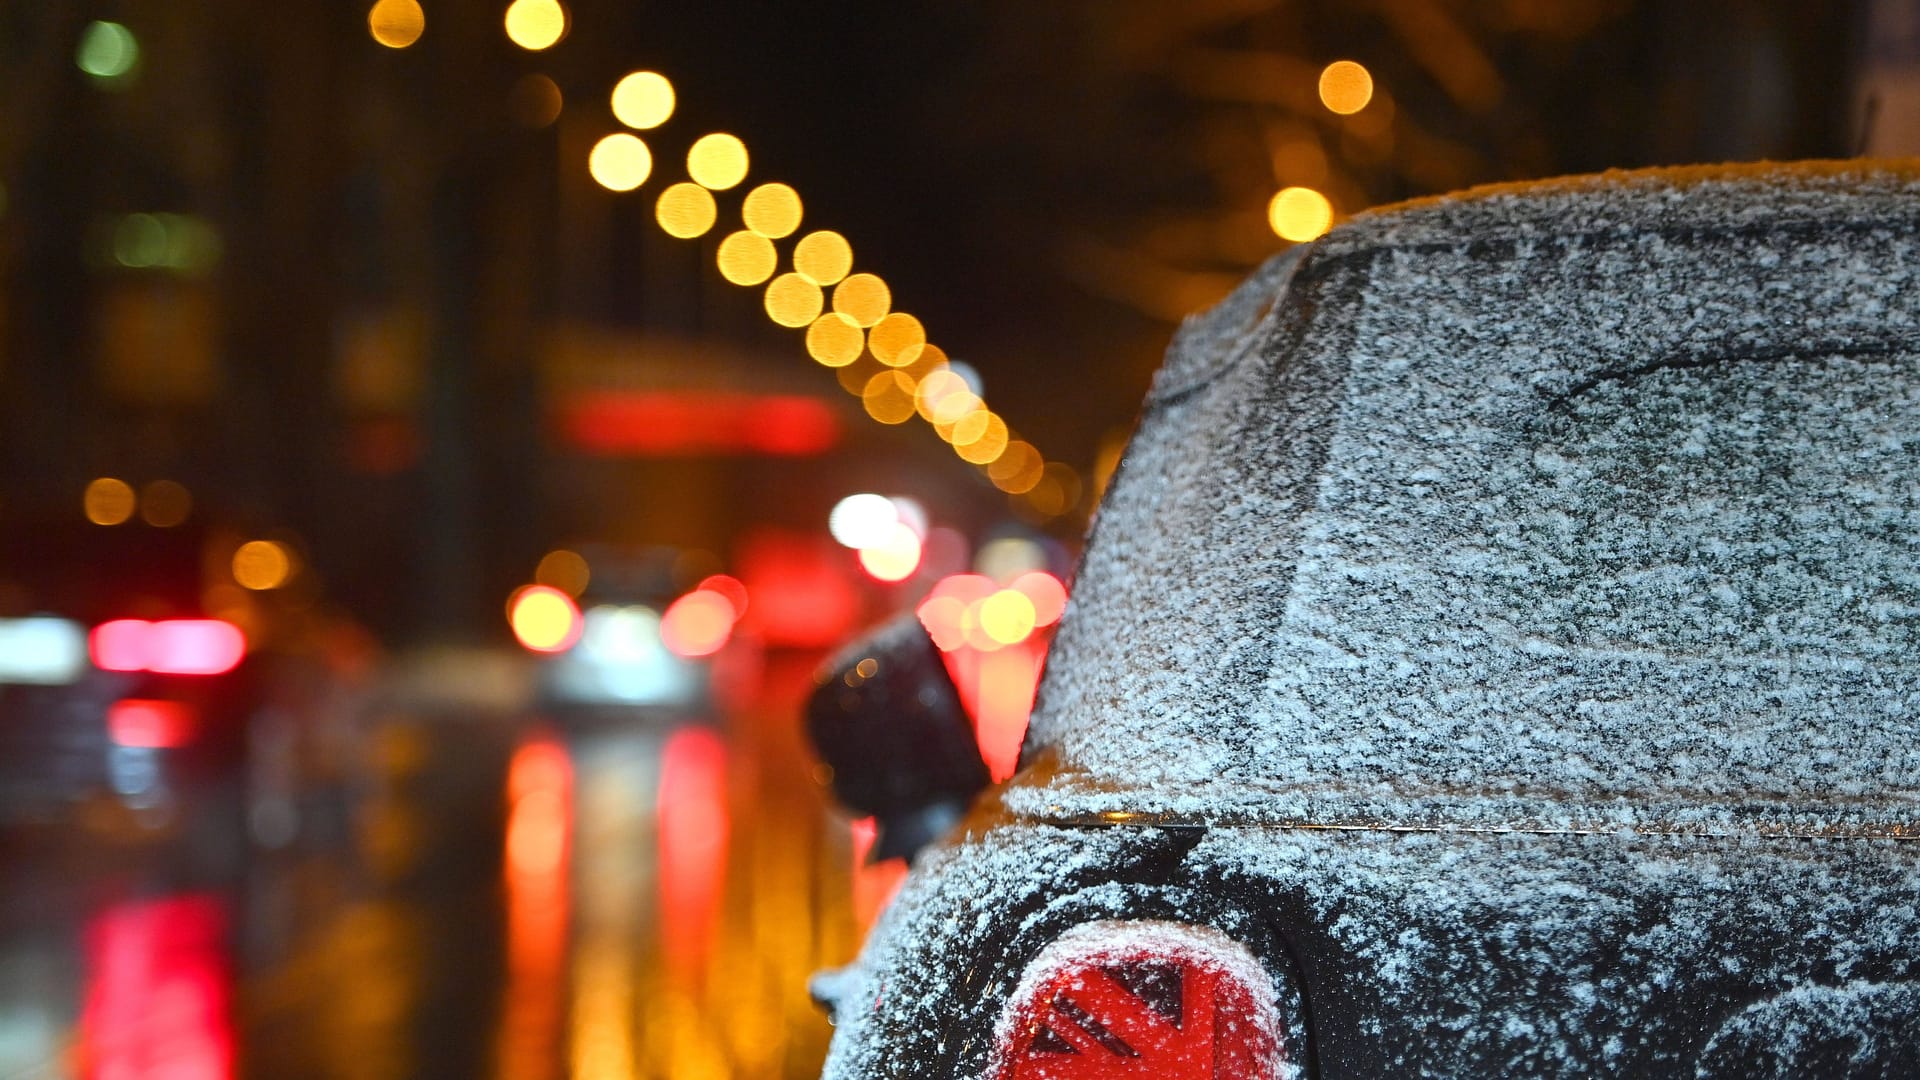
{"points": [[538, 840], [693, 848], [158, 992]]}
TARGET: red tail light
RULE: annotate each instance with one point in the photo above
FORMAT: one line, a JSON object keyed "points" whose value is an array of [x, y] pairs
{"points": [[169, 647], [156, 725], [1120, 1000]]}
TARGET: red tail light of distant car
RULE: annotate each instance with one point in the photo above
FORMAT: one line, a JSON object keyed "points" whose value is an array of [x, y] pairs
{"points": [[168, 647]]}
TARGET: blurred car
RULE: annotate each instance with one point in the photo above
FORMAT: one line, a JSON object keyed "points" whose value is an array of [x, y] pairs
{"points": [[1496, 656], [631, 647], [131, 711]]}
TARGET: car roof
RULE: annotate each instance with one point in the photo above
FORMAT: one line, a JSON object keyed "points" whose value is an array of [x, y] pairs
{"points": [[1570, 501]]}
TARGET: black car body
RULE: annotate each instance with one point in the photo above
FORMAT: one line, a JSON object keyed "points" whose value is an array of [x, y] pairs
{"points": [[1503, 629]]}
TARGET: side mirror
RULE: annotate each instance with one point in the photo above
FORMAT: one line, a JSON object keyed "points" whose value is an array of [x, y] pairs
{"points": [[885, 716]]}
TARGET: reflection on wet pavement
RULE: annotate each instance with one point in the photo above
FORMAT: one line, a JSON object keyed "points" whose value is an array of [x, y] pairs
{"points": [[519, 899]]}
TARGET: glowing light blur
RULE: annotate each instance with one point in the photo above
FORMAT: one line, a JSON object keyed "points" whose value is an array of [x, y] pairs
{"points": [[698, 624], [717, 161], [792, 300], [108, 501], [168, 647], [896, 339], [729, 587], [535, 25], [803, 591], [864, 298], [822, 257], [261, 565], [693, 817], [1299, 214], [772, 210], [643, 100], [862, 520], [874, 884], [895, 557], [544, 619], [1045, 592], [1006, 558], [941, 397], [396, 23], [667, 423], [834, 340], [1018, 469], [1007, 616], [620, 162], [888, 397], [971, 619], [1345, 87], [984, 445], [165, 503], [685, 210], [150, 725], [539, 814], [564, 570], [1057, 492], [41, 650], [158, 995], [107, 51], [747, 258]]}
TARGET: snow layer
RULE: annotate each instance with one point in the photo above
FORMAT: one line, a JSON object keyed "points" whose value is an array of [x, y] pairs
{"points": [[1425, 954], [1600, 500]]}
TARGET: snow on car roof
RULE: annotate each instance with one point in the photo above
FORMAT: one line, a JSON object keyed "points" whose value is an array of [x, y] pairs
{"points": [[1599, 494]]}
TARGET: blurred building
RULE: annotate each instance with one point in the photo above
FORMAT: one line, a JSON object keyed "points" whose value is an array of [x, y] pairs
{"points": [[342, 270]]}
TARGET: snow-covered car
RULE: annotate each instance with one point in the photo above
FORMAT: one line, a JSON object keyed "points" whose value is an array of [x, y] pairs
{"points": [[1497, 655]]}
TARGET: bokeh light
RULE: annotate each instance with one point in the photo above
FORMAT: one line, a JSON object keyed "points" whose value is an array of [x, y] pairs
{"points": [[544, 619], [834, 340], [620, 162], [863, 520], [643, 100], [985, 444], [888, 397], [396, 23], [535, 25], [262, 564], [747, 258], [1018, 470], [685, 210], [1345, 87], [864, 298], [1048, 595], [108, 501], [935, 390], [717, 161], [823, 257], [565, 570], [535, 100], [897, 339], [772, 210], [165, 503], [793, 301], [1299, 214], [698, 624], [107, 51], [1007, 616], [895, 557]]}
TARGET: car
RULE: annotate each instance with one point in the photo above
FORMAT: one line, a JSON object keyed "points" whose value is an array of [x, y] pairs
{"points": [[1496, 656]]}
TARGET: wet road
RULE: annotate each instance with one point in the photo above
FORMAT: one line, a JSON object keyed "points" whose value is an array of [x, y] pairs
{"points": [[477, 896]]}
